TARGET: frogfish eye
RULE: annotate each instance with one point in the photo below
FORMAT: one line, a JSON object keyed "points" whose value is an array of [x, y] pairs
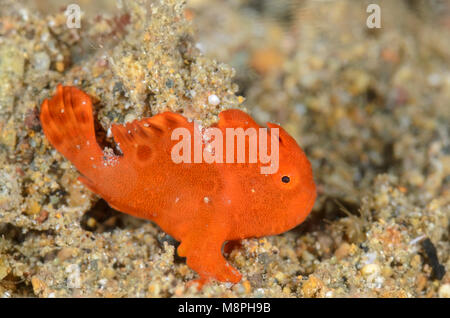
{"points": [[285, 179]]}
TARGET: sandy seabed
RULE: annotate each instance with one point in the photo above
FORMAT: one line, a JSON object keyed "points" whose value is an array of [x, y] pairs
{"points": [[370, 107]]}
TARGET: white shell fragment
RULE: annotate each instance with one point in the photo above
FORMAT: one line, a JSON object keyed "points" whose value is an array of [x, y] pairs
{"points": [[213, 100]]}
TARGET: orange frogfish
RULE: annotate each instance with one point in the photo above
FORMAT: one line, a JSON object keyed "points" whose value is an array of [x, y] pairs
{"points": [[201, 204]]}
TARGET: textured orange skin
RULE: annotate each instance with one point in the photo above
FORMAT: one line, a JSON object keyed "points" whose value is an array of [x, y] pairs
{"points": [[145, 182]]}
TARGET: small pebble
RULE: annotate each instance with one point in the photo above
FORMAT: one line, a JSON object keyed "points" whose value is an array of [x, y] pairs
{"points": [[370, 269], [41, 61], [444, 291], [213, 100]]}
